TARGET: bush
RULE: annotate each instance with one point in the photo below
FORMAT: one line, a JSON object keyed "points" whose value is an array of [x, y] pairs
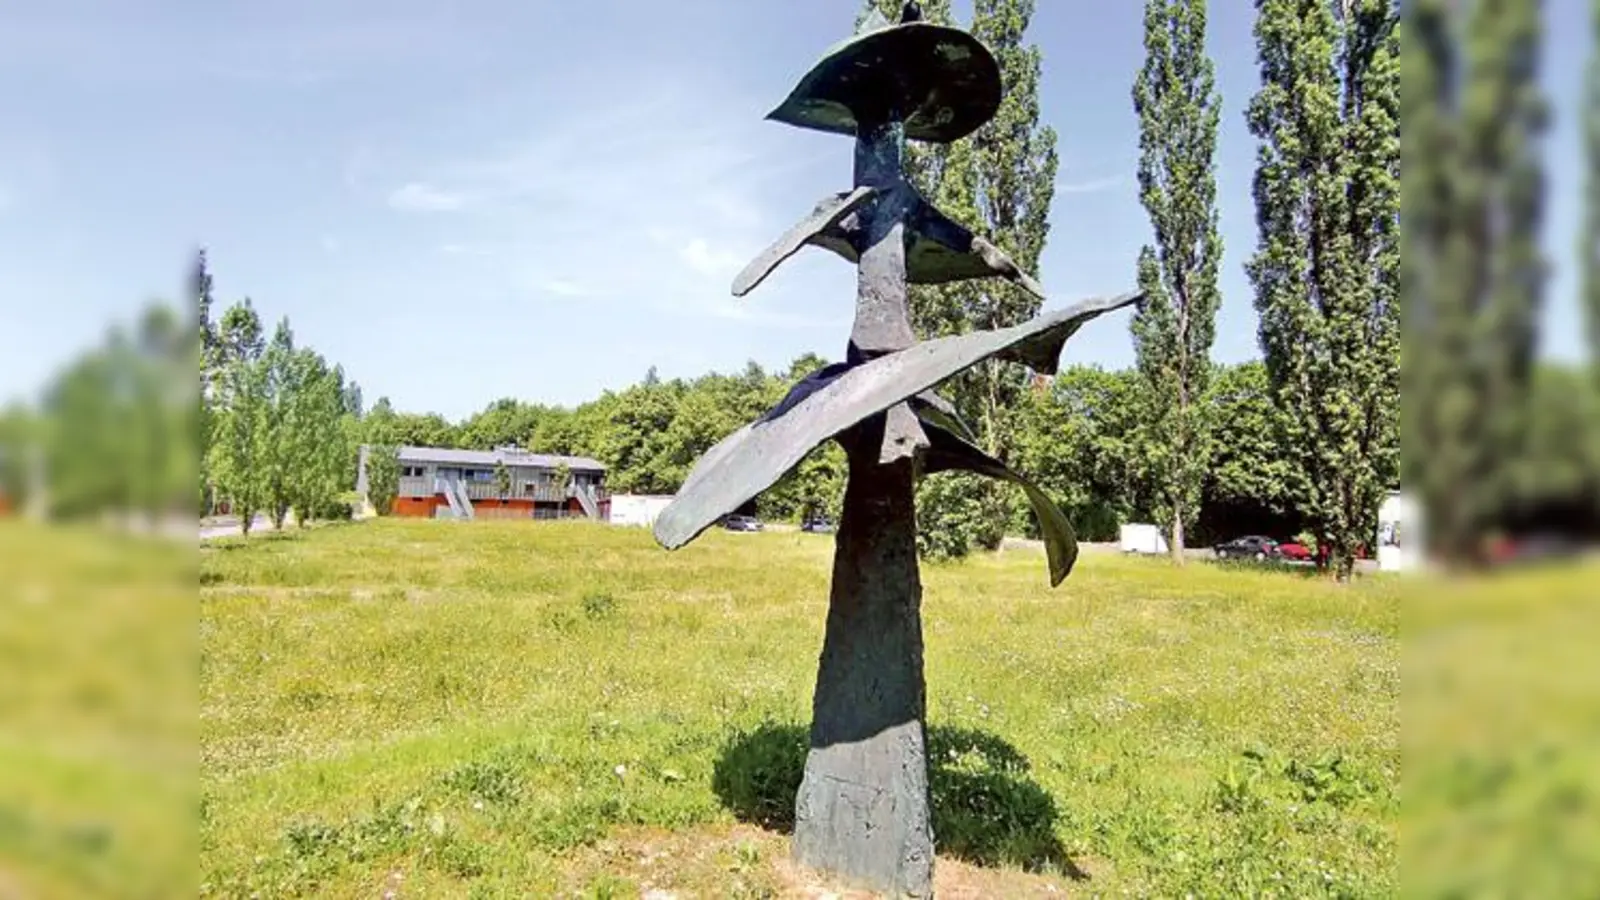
{"points": [[951, 517]]}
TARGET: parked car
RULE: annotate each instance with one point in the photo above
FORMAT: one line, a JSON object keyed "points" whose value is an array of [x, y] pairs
{"points": [[1251, 546], [1538, 547], [817, 525], [1295, 552], [742, 523]]}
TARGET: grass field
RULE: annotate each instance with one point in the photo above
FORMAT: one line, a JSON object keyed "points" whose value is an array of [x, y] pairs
{"points": [[420, 709], [97, 715], [509, 709]]}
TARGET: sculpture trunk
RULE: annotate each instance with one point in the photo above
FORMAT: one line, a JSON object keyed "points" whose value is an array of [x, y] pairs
{"points": [[862, 813], [883, 318]]}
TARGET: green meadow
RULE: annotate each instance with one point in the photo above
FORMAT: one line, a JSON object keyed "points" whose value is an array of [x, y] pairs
{"points": [[540, 709], [433, 709]]}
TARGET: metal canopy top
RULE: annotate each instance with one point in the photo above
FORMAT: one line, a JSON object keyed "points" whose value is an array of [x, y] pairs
{"points": [[942, 82]]}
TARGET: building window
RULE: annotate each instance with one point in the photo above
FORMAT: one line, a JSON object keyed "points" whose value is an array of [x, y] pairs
{"points": [[411, 471]]}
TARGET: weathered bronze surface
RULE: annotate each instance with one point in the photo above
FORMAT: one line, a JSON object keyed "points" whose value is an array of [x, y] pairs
{"points": [[942, 83], [862, 813], [834, 398], [941, 249]]}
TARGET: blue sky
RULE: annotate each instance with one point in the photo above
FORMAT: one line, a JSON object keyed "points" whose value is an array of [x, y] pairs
{"points": [[466, 201]]}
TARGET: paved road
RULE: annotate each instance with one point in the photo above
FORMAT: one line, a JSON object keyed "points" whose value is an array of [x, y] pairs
{"points": [[1363, 566], [228, 526]]}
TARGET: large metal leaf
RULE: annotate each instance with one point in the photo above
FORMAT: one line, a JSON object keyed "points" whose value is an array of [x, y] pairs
{"points": [[824, 216], [948, 450], [753, 458], [938, 249]]}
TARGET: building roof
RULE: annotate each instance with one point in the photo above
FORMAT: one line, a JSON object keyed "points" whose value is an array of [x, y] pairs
{"points": [[508, 455]]}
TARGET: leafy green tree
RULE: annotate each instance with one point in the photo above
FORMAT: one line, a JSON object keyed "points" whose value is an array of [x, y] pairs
{"points": [[502, 480], [505, 421], [1179, 111], [1589, 252], [424, 430], [1251, 484], [1079, 440], [18, 441], [1556, 484], [241, 401], [276, 428], [1326, 268], [378, 433], [116, 426], [83, 421], [383, 477], [999, 182], [318, 441], [352, 402], [1472, 273], [1589, 249], [206, 331]]}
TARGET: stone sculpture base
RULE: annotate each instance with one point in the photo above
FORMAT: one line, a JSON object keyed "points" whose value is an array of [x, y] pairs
{"points": [[862, 815]]}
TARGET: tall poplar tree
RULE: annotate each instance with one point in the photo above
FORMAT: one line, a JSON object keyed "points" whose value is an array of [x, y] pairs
{"points": [[240, 398], [276, 426], [1175, 97], [199, 289], [1589, 250], [1326, 271], [999, 182], [1473, 273]]}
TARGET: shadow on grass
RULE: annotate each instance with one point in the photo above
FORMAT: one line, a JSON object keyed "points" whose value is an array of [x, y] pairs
{"points": [[986, 809]]}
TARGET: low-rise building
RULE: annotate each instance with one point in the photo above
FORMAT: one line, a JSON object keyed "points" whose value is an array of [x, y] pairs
{"points": [[437, 482]]}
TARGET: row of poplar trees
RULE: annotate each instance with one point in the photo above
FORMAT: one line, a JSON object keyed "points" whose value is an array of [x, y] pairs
{"points": [[1473, 273], [1325, 269]]}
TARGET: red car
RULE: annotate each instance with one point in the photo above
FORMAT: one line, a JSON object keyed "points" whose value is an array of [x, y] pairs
{"points": [[1295, 552]]}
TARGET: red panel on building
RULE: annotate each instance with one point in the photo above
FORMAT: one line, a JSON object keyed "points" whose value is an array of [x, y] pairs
{"points": [[416, 507]]}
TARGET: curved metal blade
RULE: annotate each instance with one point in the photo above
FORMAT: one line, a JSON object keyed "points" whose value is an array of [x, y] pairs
{"points": [[826, 215], [751, 459], [974, 252], [947, 452]]}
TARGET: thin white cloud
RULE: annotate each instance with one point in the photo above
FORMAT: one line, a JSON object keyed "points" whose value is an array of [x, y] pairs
{"points": [[563, 288], [650, 203], [708, 260], [461, 249], [418, 196], [1091, 186]]}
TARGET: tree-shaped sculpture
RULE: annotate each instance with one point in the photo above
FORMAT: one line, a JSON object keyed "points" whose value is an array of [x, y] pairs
{"points": [[862, 813]]}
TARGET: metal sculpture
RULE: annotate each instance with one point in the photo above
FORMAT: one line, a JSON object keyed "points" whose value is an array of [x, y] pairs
{"points": [[862, 812]]}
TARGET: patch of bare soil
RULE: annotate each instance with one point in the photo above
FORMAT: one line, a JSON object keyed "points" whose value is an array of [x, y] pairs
{"points": [[745, 861]]}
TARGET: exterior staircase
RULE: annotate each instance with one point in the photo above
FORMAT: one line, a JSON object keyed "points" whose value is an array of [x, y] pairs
{"points": [[585, 495], [455, 493]]}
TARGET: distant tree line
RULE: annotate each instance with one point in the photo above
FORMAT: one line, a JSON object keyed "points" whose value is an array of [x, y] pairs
{"points": [[1079, 434]]}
